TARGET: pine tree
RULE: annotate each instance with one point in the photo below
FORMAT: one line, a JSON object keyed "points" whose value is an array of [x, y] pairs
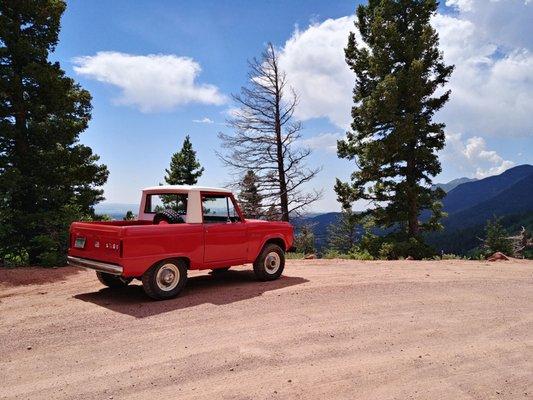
{"points": [[130, 216], [343, 233], [273, 213], [47, 178], [185, 168], [394, 140], [249, 197], [496, 238], [304, 240]]}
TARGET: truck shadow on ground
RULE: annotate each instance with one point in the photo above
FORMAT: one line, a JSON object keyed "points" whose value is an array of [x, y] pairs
{"points": [[228, 288]]}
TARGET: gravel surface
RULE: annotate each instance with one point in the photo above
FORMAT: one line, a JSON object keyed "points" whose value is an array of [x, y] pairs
{"points": [[327, 329]]}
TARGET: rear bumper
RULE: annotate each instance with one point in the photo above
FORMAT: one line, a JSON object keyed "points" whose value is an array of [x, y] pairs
{"points": [[96, 265]]}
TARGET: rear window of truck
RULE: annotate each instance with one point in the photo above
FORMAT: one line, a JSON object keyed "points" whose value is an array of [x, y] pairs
{"points": [[162, 201]]}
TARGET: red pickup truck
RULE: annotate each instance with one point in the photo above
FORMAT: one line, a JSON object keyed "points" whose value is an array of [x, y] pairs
{"points": [[179, 228]]}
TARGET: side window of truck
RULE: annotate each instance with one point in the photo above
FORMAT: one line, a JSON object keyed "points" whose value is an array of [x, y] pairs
{"points": [[218, 209], [159, 202]]}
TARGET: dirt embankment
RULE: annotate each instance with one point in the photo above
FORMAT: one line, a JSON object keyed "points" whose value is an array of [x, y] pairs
{"points": [[327, 329]]}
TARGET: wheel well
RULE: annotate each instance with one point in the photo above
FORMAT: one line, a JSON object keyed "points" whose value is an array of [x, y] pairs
{"points": [[279, 241], [185, 260]]}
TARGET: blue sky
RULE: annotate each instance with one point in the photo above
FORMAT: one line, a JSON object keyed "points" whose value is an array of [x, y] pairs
{"points": [[157, 69]]}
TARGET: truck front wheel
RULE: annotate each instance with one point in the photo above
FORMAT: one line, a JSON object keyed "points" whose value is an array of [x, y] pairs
{"points": [[165, 279], [112, 281], [270, 263]]}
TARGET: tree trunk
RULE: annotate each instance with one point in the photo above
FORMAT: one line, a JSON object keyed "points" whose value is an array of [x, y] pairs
{"points": [[412, 204], [283, 196]]}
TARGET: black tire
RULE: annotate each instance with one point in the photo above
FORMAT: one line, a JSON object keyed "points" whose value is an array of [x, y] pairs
{"points": [[165, 279], [112, 281], [169, 216], [220, 271], [270, 263]]}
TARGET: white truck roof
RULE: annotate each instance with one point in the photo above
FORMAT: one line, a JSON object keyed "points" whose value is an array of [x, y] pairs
{"points": [[194, 203], [184, 189]]}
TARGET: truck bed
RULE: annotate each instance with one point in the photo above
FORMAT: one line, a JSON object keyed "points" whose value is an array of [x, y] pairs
{"points": [[102, 240], [135, 245]]}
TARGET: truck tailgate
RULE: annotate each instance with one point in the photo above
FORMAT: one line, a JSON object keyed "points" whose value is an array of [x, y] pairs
{"points": [[100, 242]]}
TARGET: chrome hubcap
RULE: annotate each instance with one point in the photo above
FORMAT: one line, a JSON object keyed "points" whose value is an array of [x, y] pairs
{"points": [[272, 262], [167, 277]]}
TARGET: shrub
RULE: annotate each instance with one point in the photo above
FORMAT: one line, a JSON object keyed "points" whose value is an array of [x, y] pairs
{"points": [[496, 238], [334, 254], [304, 240], [362, 255], [387, 252], [397, 246], [294, 256], [451, 257]]}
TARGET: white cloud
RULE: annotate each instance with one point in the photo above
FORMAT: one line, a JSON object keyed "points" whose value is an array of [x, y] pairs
{"points": [[492, 90], [204, 120], [490, 43], [473, 157], [314, 62], [505, 22], [463, 5], [323, 141], [154, 82]]}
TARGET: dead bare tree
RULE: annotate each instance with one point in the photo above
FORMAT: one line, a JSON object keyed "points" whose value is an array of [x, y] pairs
{"points": [[265, 139], [521, 242]]}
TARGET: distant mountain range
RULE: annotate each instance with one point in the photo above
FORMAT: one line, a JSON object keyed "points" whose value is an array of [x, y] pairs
{"points": [[116, 210], [469, 204], [453, 184]]}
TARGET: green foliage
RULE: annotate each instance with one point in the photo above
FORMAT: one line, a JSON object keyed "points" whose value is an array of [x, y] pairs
{"points": [[335, 254], [451, 257], [47, 178], [129, 216], [184, 168], [304, 240], [496, 238], [393, 140], [294, 255], [249, 196], [362, 255], [342, 234], [387, 251], [394, 246]]}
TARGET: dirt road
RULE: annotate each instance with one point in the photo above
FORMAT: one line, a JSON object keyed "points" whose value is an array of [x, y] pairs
{"points": [[325, 330]]}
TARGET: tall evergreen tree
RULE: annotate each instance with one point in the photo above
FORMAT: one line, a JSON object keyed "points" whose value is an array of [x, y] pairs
{"points": [[249, 197], [394, 140], [185, 168], [304, 240], [496, 238], [47, 178]]}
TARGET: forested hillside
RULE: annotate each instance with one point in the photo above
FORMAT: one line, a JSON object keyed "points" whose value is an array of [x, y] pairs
{"points": [[469, 205]]}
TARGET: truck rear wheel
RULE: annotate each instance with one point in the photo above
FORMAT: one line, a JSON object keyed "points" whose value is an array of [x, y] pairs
{"points": [[112, 281], [165, 279], [270, 263]]}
